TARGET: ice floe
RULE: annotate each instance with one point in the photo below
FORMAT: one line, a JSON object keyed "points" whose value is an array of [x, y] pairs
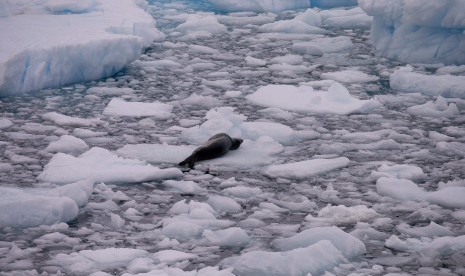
{"points": [[304, 169], [101, 165], [34, 207], [120, 107], [305, 99], [405, 80]]}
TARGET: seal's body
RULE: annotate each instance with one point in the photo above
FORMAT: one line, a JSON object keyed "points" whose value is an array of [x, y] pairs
{"points": [[218, 145]]}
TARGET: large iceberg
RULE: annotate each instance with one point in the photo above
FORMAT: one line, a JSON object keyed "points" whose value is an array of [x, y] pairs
{"points": [[53, 43], [418, 31]]}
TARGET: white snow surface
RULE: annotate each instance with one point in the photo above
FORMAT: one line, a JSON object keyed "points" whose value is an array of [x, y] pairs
{"points": [[418, 31], [55, 43]]}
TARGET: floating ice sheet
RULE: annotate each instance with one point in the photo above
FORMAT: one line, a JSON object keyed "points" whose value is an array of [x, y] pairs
{"points": [[305, 99], [101, 165], [34, 207], [120, 107], [404, 80], [304, 169]]}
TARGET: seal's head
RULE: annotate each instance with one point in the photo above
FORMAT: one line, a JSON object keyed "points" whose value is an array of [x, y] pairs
{"points": [[236, 142]]}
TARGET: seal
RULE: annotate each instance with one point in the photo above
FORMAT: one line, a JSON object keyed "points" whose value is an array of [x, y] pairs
{"points": [[218, 145]]}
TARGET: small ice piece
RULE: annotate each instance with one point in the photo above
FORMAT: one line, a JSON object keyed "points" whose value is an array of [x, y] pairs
{"points": [[5, 123], [349, 76], [64, 120], [336, 215], [119, 107], [347, 244], [404, 171], [56, 239], [315, 259], [443, 246], [68, 144], [326, 45], [431, 230], [204, 101], [251, 61], [242, 191], [233, 93], [27, 208], [337, 100], [449, 86], [437, 109], [402, 189], [230, 237], [184, 187], [305, 169], [450, 197], [223, 204], [116, 221], [451, 148], [170, 257], [85, 262], [197, 22], [101, 165], [291, 26]]}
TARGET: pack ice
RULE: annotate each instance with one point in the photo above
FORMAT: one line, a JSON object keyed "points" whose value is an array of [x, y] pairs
{"points": [[55, 43]]}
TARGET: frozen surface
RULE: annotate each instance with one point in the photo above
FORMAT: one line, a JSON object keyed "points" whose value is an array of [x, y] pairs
{"points": [[348, 189], [415, 31], [60, 42]]}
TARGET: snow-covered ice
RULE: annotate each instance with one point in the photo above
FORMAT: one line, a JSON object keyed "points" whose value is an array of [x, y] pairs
{"points": [[55, 43], [119, 107], [101, 165], [307, 100]]}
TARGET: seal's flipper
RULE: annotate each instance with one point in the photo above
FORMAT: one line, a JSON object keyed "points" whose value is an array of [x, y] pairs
{"points": [[188, 161]]}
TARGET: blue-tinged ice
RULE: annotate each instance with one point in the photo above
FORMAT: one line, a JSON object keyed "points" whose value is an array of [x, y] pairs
{"points": [[418, 31], [58, 42]]}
